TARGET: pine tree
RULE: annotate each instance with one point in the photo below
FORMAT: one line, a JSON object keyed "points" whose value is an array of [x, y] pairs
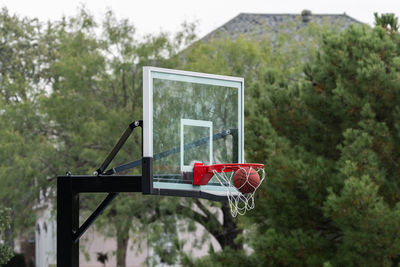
{"points": [[331, 144]]}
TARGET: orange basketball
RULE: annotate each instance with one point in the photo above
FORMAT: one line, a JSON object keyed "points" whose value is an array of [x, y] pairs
{"points": [[246, 184]]}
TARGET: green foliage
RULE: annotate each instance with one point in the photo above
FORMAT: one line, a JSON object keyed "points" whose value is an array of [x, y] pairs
{"points": [[369, 227], [18, 260], [270, 69], [387, 21], [330, 143], [322, 113], [295, 248], [25, 150], [5, 250], [227, 257], [68, 90]]}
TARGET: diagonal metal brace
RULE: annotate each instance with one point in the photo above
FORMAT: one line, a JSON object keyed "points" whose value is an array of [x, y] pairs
{"points": [[118, 146], [90, 220]]}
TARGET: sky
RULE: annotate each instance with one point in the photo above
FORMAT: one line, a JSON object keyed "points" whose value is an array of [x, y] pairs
{"points": [[153, 16]]}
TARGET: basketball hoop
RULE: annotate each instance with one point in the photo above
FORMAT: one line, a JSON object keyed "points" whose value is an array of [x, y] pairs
{"points": [[240, 180]]}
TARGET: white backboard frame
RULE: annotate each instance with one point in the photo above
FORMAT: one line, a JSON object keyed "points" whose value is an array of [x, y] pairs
{"points": [[149, 73]]}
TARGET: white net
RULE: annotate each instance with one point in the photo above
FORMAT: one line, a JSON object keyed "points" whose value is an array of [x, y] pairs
{"points": [[242, 188]]}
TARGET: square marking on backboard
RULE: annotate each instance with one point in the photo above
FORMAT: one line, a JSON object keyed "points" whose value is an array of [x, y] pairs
{"points": [[199, 142]]}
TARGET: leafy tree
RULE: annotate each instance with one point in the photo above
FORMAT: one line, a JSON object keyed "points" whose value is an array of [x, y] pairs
{"points": [[64, 90], [95, 90], [25, 152], [5, 250]]}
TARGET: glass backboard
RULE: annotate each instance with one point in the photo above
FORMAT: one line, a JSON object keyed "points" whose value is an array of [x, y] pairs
{"points": [[190, 117]]}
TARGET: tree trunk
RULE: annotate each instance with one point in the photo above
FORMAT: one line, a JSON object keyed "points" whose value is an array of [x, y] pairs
{"points": [[230, 231], [28, 249], [122, 245], [225, 233]]}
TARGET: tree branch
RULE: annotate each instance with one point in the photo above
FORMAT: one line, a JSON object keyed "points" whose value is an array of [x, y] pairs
{"points": [[203, 208]]}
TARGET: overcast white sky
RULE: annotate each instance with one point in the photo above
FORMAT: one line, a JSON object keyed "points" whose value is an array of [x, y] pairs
{"points": [[151, 16]]}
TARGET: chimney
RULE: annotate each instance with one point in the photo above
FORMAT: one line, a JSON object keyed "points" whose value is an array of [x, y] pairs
{"points": [[306, 15]]}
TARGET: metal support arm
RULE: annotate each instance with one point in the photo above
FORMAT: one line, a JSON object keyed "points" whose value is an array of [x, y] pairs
{"points": [[118, 146]]}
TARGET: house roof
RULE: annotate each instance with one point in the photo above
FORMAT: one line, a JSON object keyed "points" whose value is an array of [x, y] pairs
{"points": [[260, 24]]}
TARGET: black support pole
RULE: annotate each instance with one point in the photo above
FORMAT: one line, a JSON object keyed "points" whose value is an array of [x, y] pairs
{"points": [[67, 223], [147, 175], [68, 189]]}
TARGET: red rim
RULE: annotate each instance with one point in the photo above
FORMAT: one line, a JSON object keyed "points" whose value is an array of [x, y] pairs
{"points": [[234, 166], [203, 173]]}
